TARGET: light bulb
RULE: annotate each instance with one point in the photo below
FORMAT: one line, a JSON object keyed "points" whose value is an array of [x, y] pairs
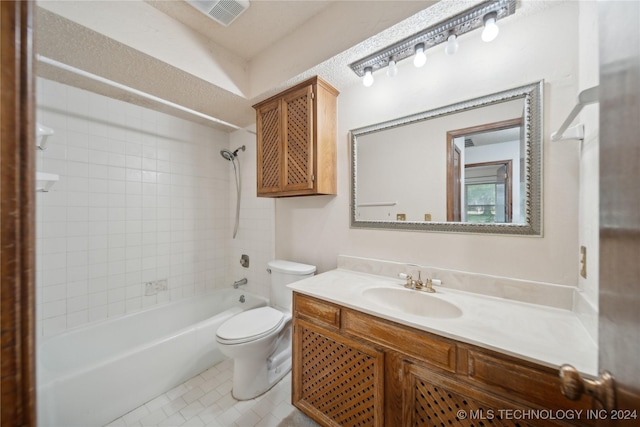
{"points": [[420, 59], [367, 80], [452, 45], [392, 71], [491, 29]]}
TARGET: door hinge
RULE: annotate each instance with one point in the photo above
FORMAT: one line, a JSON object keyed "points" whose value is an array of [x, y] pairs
{"points": [[313, 95], [313, 177]]}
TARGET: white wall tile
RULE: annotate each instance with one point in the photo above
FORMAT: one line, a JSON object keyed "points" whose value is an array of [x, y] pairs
{"points": [[142, 196]]}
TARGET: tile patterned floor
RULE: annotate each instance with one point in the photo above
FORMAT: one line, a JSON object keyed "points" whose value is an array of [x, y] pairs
{"points": [[205, 400]]}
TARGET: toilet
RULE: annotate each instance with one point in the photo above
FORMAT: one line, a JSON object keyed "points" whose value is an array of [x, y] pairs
{"points": [[259, 340]]}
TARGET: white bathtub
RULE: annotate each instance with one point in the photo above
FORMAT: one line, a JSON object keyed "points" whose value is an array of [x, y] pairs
{"points": [[92, 375]]}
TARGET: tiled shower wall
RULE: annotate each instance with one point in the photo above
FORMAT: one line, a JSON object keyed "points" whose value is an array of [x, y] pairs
{"points": [[256, 232], [142, 196]]}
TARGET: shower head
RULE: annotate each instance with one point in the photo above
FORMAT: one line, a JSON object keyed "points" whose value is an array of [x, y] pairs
{"points": [[227, 154], [231, 155]]}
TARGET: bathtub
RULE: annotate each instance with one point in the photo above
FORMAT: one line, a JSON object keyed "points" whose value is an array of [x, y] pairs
{"points": [[91, 375]]}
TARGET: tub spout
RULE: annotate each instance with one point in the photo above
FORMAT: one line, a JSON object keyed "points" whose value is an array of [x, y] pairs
{"points": [[240, 282]]}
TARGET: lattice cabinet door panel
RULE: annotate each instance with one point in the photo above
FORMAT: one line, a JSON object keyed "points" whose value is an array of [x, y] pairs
{"points": [[269, 141], [297, 111], [338, 381], [431, 400]]}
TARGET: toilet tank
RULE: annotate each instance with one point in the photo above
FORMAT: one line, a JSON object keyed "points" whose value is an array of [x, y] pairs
{"points": [[285, 272]]}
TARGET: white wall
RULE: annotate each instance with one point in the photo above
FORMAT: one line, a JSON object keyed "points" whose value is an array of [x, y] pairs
{"points": [[142, 196], [540, 46], [589, 164]]}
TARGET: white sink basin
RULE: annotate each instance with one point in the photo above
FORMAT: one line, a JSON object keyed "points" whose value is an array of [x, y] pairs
{"points": [[412, 302]]}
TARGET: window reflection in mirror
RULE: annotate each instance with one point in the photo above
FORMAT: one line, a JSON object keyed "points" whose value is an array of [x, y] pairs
{"points": [[483, 186]]}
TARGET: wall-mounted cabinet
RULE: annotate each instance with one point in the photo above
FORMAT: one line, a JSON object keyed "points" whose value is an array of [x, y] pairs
{"points": [[296, 141]]}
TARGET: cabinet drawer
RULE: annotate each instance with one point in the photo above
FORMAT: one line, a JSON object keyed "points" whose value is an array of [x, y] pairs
{"points": [[414, 343], [317, 311], [535, 385]]}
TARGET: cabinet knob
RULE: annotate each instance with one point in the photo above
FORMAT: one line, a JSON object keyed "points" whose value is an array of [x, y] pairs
{"points": [[574, 386]]}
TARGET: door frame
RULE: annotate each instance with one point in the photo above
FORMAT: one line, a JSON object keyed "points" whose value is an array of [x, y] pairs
{"points": [[17, 215]]}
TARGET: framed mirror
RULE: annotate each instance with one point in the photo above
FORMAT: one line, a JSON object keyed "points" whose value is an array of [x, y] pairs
{"points": [[473, 167]]}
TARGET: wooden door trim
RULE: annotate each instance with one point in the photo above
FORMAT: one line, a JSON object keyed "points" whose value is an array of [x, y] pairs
{"points": [[17, 208], [454, 186]]}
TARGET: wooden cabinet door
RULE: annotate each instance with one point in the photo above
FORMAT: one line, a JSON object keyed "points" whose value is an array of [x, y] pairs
{"points": [[269, 148], [431, 399], [298, 144], [337, 381], [296, 138]]}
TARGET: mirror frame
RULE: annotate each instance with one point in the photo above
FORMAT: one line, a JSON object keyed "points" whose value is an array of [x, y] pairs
{"points": [[533, 102]]}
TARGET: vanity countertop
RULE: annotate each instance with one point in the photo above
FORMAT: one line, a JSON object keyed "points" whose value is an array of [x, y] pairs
{"points": [[545, 335]]}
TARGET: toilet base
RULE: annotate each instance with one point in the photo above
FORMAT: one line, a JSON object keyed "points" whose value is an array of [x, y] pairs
{"points": [[253, 377], [248, 391]]}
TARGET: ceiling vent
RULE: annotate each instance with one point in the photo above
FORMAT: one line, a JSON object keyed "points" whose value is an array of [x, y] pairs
{"points": [[221, 11]]}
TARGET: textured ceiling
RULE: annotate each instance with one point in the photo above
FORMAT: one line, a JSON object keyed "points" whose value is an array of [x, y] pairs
{"points": [[260, 26], [170, 50], [75, 45]]}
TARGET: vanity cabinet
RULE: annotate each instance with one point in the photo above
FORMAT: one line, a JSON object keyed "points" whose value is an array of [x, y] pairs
{"points": [[296, 141], [354, 369]]}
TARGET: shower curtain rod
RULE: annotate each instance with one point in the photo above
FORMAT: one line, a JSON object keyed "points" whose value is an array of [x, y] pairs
{"points": [[120, 86]]}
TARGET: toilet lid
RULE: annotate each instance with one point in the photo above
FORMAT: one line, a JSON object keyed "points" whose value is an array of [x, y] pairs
{"points": [[250, 325]]}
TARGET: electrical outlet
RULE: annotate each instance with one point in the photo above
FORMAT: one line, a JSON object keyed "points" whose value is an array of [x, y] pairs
{"points": [[583, 261]]}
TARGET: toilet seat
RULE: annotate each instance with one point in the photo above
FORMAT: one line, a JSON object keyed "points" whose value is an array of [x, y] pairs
{"points": [[250, 325]]}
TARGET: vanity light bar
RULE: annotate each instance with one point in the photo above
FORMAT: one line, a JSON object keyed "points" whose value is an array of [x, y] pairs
{"points": [[439, 33]]}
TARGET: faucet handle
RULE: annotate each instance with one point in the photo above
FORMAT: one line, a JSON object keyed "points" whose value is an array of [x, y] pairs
{"points": [[428, 287], [410, 283]]}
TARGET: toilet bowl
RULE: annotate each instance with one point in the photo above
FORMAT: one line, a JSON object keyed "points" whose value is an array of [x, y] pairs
{"points": [[259, 340]]}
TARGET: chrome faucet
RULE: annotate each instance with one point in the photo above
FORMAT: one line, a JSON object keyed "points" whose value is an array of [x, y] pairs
{"points": [[240, 282], [418, 285]]}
